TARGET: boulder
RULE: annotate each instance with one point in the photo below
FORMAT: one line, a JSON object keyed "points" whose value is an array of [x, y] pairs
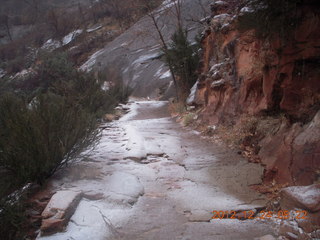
{"points": [[59, 210], [316, 234], [303, 197]]}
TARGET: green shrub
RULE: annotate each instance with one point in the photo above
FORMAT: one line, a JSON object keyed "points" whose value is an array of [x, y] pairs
{"points": [[35, 139], [189, 119], [51, 123], [11, 220], [177, 108], [45, 121], [183, 59]]}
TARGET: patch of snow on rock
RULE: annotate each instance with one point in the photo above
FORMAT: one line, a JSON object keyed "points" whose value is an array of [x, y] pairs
{"points": [[222, 16], [88, 65], [71, 36], [106, 86], [220, 3], [159, 72], [166, 75], [135, 145], [24, 73], [51, 44], [192, 94], [2, 73], [133, 111], [124, 187], [145, 58], [165, 5], [94, 28], [246, 10]]}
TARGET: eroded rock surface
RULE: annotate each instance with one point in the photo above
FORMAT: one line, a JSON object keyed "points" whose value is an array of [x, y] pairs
{"points": [[134, 56], [243, 75], [169, 194]]}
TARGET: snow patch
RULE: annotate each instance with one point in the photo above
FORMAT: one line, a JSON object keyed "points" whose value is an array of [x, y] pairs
{"points": [[246, 10], [220, 3], [33, 103], [145, 58], [165, 5], [136, 144], [159, 72], [133, 112], [192, 94], [126, 70], [71, 36], [92, 29], [221, 17], [2, 73], [215, 67], [51, 44], [166, 75], [106, 86], [24, 73], [88, 65], [124, 187]]}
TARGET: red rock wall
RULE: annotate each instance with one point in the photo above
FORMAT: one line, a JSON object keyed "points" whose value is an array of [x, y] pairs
{"points": [[245, 75]]}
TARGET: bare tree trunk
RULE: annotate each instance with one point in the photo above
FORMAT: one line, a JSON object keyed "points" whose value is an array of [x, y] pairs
{"points": [[165, 47], [4, 20], [8, 30], [35, 6], [82, 18], [177, 8]]}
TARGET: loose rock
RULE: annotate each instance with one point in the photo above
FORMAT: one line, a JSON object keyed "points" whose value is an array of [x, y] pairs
{"points": [[303, 197]]}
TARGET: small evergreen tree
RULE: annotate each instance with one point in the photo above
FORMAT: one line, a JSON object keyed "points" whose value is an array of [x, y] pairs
{"points": [[183, 59]]}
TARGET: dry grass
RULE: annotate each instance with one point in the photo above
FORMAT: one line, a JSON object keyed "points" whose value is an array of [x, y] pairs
{"points": [[177, 108], [247, 133], [189, 118], [234, 135], [249, 126]]}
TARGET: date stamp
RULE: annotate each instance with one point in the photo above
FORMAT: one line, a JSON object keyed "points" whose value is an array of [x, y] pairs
{"points": [[250, 214]]}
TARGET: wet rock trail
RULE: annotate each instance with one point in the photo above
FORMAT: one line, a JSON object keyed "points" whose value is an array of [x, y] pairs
{"points": [[149, 178]]}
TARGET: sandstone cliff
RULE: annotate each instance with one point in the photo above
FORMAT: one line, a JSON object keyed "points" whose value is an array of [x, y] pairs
{"points": [[273, 80]]}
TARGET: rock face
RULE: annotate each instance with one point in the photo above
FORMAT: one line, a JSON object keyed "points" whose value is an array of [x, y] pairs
{"points": [[244, 75], [134, 56], [166, 196]]}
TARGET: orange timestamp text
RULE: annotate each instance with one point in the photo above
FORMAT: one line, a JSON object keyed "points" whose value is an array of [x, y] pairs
{"points": [[250, 214]]}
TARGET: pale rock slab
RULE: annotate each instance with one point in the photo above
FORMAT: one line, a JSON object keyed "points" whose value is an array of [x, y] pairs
{"points": [[123, 188], [59, 210]]}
